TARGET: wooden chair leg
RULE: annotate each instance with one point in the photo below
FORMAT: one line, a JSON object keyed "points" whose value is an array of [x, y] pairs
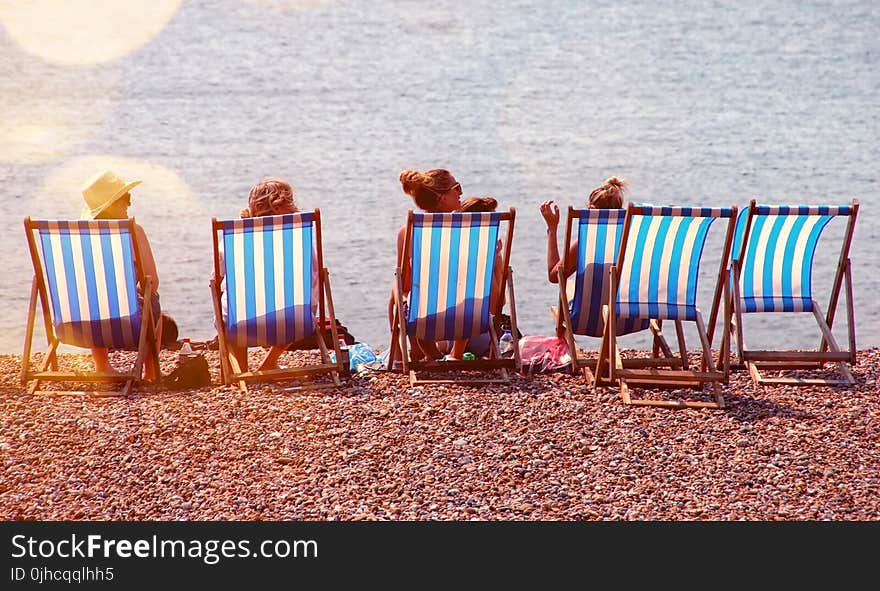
{"points": [[604, 348], [511, 304], [850, 314], [401, 322], [656, 327], [567, 329], [325, 355], [334, 335], [832, 344], [495, 351], [29, 334], [222, 347], [682, 347], [47, 361], [707, 359]]}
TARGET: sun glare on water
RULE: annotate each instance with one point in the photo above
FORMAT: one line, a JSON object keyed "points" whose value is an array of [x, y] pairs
{"points": [[84, 32]]}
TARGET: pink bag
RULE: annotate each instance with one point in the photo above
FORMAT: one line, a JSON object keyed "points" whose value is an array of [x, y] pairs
{"points": [[543, 354]]}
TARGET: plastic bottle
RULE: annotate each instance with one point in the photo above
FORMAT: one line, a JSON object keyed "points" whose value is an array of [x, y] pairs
{"points": [[345, 359], [186, 351], [505, 344]]}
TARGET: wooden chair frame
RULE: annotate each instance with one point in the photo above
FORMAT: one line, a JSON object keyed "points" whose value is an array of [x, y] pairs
{"points": [[611, 365], [231, 371], [495, 362], [829, 350], [565, 331], [48, 370]]}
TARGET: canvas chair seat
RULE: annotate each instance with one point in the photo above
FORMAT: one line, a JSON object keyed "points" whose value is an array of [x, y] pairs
{"points": [[656, 276], [89, 281], [452, 257], [598, 233], [771, 271], [270, 264]]}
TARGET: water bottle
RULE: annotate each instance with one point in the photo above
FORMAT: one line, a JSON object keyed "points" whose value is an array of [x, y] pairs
{"points": [[186, 351], [345, 360], [505, 344]]}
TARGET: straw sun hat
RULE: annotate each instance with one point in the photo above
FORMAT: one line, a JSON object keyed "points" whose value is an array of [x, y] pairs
{"points": [[102, 191]]}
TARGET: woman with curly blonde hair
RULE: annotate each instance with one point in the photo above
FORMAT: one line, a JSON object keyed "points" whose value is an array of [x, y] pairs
{"points": [[271, 196]]}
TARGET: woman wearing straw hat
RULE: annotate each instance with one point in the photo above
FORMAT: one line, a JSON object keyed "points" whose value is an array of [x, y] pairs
{"points": [[107, 197]]}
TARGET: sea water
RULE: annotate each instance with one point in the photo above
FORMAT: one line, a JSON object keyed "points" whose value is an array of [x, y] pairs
{"points": [[705, 103]]}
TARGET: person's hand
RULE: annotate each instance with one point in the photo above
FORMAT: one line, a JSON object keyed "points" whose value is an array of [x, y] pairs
{"points": [[550, 212]]}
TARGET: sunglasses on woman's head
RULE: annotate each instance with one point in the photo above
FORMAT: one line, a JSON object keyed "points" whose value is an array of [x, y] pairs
{"points": [[456, 186]]}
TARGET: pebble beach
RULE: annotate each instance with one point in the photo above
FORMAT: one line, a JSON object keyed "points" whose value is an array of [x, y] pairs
{"points": [[545, 447]]}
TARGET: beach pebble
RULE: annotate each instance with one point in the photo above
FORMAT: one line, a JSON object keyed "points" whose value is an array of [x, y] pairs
{"points": [[543, 448]]}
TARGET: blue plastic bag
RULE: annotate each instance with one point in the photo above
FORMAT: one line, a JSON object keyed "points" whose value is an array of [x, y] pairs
{"points": [[358, 354]]}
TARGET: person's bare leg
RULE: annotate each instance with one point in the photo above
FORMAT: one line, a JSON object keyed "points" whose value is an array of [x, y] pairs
{"points": [[152, 369], [101, 357], [458, 348], [430, 350], [240, 354], [271, 360], [415, 352]]}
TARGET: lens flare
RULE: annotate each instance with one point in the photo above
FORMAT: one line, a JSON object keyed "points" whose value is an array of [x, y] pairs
{"points": [[163, 198], [82, 32], [292, 5]]}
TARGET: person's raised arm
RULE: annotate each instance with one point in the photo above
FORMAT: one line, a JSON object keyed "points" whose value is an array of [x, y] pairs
{"points": [[550, 213]]}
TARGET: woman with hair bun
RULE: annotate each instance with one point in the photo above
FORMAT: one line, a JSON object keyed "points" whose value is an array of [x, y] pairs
{"points": [[434, 191], [608, 195], [437, 191]]}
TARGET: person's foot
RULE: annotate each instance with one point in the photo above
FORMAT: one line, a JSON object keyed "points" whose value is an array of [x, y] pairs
{"points": [[152, 376], [106, 369]]}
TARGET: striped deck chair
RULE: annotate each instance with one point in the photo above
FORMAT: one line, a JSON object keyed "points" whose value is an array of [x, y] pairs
{"points": [[656, 277], [772, 270], [270, 264], [453, 261], [86, 277], [598, 238]]}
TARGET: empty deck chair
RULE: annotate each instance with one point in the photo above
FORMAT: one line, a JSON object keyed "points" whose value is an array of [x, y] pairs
{"points": [[453, 260], [656, 277], [598, 234], [269, 266], [772, 271], [87, 276]]}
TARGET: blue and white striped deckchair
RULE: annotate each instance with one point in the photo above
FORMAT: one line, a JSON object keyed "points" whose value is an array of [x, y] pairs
{"points": [[656, 277], [598, 234], [86, 274], [453, 258], [270, 265], [772, 270]]}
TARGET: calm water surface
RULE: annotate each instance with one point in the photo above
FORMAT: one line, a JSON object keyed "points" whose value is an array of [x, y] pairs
{"points": [[523, 101]]}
